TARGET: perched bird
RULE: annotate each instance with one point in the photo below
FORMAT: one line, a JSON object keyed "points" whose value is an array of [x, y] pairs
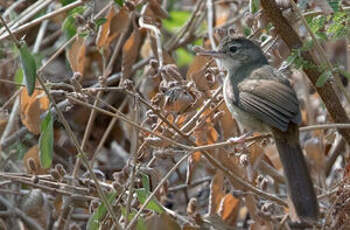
{"points": [[261, 99]]}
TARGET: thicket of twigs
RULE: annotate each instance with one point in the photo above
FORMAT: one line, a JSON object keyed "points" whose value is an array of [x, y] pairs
{"points": [[109, 120]]}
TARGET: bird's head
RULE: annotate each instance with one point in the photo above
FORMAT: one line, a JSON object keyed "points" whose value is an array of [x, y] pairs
{"points": [[235, 52]]}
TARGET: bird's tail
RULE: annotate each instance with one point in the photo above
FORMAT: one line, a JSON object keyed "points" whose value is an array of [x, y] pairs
{"points": [[300, 187]]}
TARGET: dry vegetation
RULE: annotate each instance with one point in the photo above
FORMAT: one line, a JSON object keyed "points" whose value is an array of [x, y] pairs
{"points": [[108, 119]]}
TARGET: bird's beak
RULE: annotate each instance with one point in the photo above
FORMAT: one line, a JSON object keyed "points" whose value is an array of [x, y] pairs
{"points": [[210, 53]]}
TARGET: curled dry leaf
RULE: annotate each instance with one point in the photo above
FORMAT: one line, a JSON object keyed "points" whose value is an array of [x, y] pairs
{"points": [[77, 55], [32, 156], [315, 150], [131, 50], [177, 100], [158, 9], [197, 71], [116, 24], [31, 109], [36, 205], [162, 221], [229, 208], [216, 192]]}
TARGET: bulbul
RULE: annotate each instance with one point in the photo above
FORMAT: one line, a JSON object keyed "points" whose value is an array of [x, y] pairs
{"points": [[261, 99]]}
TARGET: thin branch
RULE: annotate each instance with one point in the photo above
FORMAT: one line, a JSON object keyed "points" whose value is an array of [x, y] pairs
{"points": [[149, 198], [43, 18], [157, 35]]}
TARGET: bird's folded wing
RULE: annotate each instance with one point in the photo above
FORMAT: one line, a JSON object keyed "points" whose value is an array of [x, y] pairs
{"points": [[270, 100]]}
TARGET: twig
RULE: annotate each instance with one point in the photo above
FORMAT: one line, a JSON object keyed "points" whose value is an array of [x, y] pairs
{"points": [[149, 198], [210, 23], [9, 32], [63, 104], [43, 18], [156, 33], [41, 32], [321, 52], [32, 224]]}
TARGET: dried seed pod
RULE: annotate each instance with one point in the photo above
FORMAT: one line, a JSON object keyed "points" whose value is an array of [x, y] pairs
{"points": [[192, 206], [55, 174]]}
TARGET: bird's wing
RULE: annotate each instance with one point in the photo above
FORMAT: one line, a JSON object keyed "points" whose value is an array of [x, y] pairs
{"points": [[270, 99]]}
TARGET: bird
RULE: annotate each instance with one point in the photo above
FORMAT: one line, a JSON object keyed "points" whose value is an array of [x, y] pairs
{"points": [[262, 99]]}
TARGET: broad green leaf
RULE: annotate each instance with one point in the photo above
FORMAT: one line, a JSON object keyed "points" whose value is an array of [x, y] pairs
{"points": [[119, 2], [153, 205], [100, 212], [145, 182], [323, 78], [176, 20], [29, 68], [254, 6], [69, 27], [46, 141]]}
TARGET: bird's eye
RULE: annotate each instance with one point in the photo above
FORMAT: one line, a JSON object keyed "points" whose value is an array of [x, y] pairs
{"points": [[233, 49]]}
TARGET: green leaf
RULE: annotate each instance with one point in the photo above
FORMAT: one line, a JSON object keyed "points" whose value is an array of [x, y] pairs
{"points": [[100, 21], [46, 141], [334, 4], [323, 78], [119, 2], [29, 68], [344, 72], [100, 212], [145, 182], [69, 27], [66, 2], [140, 222], [142, 195], [19, 76], [254, 6], [176, 20]]}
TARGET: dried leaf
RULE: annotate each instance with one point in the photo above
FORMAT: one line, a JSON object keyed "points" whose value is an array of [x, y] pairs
{"points": [[177, 100], [77, 55], [31, 109], [196, 73], [33, 156], [163, 221], [216, 192], [229, 208], [131, 50]]}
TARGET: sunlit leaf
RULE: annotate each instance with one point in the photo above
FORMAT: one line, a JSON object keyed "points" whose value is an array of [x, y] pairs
{"points": [[153, 205], [145, 182], [19, 76], [46, 141]]}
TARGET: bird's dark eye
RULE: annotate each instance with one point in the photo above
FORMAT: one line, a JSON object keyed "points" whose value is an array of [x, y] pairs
{"points": [[233, 49]]}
